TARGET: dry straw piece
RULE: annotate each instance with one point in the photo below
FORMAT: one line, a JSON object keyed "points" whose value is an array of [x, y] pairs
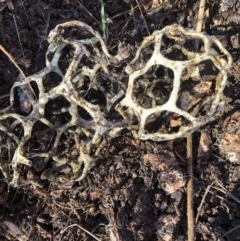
{"points": [[164, 93]]}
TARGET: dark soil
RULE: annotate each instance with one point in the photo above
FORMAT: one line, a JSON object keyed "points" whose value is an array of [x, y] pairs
{"points": [[129, 194]]}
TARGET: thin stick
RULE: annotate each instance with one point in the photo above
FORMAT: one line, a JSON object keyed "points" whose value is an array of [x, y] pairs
{"points": [[119, 14], [143, 17], [203, 199], [4, 96], [87, 11], [190, 212], [19, 39], [16, 65], [226, 192], [86, 231], [11, 7], [200, 20], [231, 231], [190, 204]]}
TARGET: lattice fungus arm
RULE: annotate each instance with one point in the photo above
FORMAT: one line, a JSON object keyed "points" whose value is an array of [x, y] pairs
{"points": [[167, 94]]}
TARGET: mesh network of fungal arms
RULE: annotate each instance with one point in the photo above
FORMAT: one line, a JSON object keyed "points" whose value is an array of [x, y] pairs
{"points": [[166, 91]]}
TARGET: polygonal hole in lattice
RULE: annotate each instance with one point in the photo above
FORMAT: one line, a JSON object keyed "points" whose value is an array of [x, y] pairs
{"points": [[144, 57], [7, 146], [34, 89], [67, 146], [218, 51], [94, 49], [208, 71], [50, 81], [88, 61], [81, 84], [190, 44], [49, 56], [130, 115], [17, 129], [111, 86], [8, 121], [57, 111], [120, 80], [113, 115], [40, 163], [84, 114], [166, 122], [94, 95], [140, 93], [79, 34], [75, 33], [22, 103], [66, 58], [172, 50], [146, 53], [13, 126], [154, 87], [199, 82], [189, 99], [41, 140]]}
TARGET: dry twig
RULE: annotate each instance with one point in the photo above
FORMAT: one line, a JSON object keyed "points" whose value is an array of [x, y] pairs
{"points": [[223, 190], [16, 65], [226, 192], [86, 231], [203, 199], [231, 231], [143, 17], [200, 19], [19, 39], [190, 211], [87, 11]]}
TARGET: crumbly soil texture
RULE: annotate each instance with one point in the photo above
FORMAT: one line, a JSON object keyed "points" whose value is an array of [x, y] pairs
{"points": [[137, 189]]}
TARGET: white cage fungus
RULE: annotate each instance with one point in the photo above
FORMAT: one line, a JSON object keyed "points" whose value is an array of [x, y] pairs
{"points": [[162, 95]]}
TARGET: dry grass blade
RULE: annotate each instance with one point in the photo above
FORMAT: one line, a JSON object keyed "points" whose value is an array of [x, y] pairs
{"points": [[223, 190], [143, 17], [11, 7], [87, 11], [226, 192], [13, 230], [15, 22], [93, 236], [190, 203], [190, 212], [120, 14], [203, 199], [231, 231], [16, 65], [200, 19]]}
